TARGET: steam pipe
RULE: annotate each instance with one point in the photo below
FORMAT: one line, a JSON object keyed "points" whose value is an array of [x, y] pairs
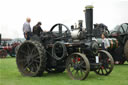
{"points": [[60, 29], [80, 24]]}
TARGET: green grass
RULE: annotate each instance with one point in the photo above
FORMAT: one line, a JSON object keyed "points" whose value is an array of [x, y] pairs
{"points": [[9, 75]]}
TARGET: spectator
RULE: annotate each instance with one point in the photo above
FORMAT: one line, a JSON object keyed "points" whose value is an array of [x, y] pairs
{"points": [[27, 29], [105, 42]]}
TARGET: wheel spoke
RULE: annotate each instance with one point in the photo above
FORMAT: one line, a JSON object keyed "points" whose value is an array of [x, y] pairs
{"points": [[28, 48], [98, 70], [73, 70], [83, 66], [81, 71], [33, 51], [23, 52], [23, 60], [76, 59], [35, 56], [105, 70], [27, 65], [37, 66], [102, 71], [37, 61], [76, 73], [82, 62]]}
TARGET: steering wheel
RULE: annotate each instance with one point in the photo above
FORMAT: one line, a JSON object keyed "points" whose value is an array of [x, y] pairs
{"points": [[60, 27]]}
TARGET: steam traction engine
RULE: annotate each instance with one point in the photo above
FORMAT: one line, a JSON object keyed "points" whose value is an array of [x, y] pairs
{"points": [[55, 51], [121, 34], [118, 39]]}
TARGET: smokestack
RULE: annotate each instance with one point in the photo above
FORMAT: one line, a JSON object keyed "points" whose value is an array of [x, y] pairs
{"points": [[89, 20]]}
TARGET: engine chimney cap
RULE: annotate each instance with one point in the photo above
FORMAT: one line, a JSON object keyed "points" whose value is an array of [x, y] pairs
{"points": [[89, 7]]}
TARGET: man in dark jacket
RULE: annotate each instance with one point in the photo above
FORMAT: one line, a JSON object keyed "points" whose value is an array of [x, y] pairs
{"points": [[37, 29]]}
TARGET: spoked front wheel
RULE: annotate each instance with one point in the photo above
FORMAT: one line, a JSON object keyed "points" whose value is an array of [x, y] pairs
{"points": [[3, 53], [107, 63], [77, 66]]}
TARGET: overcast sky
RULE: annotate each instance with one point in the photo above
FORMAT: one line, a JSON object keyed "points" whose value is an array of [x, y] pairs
{"points": [[13, 13]]}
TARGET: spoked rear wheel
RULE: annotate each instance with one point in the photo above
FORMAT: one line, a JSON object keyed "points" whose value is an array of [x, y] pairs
{"points": [[77, 66], [31, 58], [107, 63]]}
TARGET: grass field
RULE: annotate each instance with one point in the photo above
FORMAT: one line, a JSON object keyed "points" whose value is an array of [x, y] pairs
{"points": [[9, 75]]}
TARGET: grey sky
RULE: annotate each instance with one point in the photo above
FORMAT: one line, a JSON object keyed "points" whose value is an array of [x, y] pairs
{"points": [[14, 12]]}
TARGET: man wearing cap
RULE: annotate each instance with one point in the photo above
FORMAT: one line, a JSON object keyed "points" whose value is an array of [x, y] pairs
{"points": [[37, 29], [27, 29]]}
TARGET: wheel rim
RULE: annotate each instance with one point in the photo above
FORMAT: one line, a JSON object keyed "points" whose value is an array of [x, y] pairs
{"points": [[107, 63], [29, 59], [77, 66]]}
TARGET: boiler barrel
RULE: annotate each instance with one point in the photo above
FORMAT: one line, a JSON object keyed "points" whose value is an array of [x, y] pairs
{"points": [[112, 41]]}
